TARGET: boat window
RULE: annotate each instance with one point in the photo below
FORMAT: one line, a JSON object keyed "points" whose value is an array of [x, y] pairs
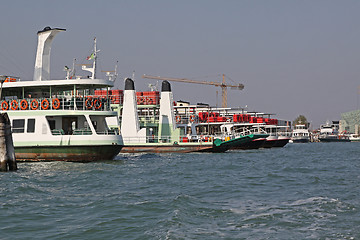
{"points": [[188, 130], [18, 125], [94, 123], [52, 124], [31, 125]]}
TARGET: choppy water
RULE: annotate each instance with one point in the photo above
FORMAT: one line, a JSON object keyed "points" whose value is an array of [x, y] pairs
{"points": [[302, 191]]}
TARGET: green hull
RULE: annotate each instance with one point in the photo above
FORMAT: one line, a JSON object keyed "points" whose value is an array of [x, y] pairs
{"points": [[217, 146], [67, 153], [236, 142]]}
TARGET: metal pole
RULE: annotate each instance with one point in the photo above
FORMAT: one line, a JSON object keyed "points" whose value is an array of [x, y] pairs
{"points": [[2, 79]]}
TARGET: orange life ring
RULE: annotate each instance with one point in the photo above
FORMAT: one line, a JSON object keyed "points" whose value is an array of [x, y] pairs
{"points": [[192, 118], [45, 104], [34, 104], [178, 119], [140, 100], [14, 105], [97, 104], [4, 105], [89, 103], [146, 101], [56, 103], [24, 104]]}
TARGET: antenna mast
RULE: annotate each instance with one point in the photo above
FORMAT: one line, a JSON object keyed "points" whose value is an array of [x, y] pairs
{"points": [[93, 56]]}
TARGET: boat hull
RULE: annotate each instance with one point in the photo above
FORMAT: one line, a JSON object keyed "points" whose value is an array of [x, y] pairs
{"points": [[281, 142], [254, 144], [334, 140], [300, 140], [168, 148], [67, 153], [217, 146]]}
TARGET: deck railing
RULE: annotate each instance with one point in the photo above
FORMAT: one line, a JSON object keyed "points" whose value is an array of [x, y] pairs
{"points": [[58, 103], [169, 139], [84, 131]]}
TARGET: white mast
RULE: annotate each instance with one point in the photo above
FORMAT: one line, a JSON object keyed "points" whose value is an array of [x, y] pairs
{"points": [[93, 56], [70, 72], [112, 75]]}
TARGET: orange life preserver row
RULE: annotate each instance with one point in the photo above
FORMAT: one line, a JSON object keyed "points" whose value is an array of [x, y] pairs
{"points": [[34, 104], [145, 100], [90, 102]]}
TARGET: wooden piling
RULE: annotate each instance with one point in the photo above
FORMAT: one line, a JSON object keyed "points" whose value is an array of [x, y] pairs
{"points": [[7, 152]]}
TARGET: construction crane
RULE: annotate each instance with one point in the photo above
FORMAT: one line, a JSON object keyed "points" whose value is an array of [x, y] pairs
{"points": [[222, 84]]}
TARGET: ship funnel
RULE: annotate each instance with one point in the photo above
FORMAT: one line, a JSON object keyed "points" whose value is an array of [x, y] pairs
{"points": [[167, 119], [165, 86], [130, 126], [129, 84], [42, 61]]}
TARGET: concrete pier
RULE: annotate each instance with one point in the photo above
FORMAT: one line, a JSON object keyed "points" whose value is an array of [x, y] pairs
{"points": [[7, 152]]}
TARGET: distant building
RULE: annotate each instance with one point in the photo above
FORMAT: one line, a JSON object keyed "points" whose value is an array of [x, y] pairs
{"points": [[350, 121], [182, 103]]}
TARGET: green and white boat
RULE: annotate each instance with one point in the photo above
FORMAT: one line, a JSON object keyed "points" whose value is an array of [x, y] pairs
{"points": [[59, 120]]}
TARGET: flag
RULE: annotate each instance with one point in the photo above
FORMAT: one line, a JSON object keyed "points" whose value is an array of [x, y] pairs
{"points": [[92, 56]]}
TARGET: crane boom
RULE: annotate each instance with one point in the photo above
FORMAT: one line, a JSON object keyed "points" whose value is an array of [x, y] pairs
{"points": [[222, 84]]}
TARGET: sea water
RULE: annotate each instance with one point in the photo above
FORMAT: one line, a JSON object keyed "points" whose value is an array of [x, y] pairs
{"points": [[301, 191]]}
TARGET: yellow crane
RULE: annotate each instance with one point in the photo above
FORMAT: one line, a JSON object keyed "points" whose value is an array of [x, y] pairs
{"points": [[222, 84]]}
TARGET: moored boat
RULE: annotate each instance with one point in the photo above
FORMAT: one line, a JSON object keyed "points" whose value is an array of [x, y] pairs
{"points": [[165, 135], [329, 132], [300, 134], [59, 119], [354, 138]]}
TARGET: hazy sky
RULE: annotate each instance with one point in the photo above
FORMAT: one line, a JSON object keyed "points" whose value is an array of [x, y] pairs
{"points": [[294, 57]]}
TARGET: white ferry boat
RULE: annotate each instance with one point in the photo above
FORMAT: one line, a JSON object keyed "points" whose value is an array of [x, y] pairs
{"points": [[59, 119], [300, 134], [329, 132]]}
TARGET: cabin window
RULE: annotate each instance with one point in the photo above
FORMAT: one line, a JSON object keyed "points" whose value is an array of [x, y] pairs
{"points": [[18, 125], [94, 123], [31, 126], [52, 124]]}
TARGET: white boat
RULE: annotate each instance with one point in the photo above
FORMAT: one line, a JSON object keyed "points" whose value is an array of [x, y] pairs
{"points": [[354, 137], [300, 134], [59, 119], [329, 132]]}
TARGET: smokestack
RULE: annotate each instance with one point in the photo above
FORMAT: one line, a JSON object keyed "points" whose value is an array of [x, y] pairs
{"points": [[42, 61], [130, 126]]}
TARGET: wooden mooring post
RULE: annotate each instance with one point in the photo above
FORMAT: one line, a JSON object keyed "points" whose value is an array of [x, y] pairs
{"points": [[7, 152]]}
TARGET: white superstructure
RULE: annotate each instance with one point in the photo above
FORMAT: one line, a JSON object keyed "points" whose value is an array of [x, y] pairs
{"points": [[59, 119]]}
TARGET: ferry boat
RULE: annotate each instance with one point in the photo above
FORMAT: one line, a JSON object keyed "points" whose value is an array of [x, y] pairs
{"points": [[232, 121], [330, 133], [59, 120], [164, 135], [300, 134]]}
